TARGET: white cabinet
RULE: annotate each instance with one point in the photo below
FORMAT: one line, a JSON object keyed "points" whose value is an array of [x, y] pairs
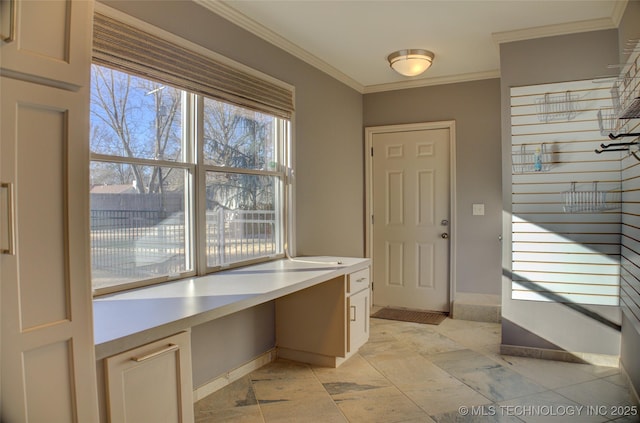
{"points": [[358, 284], [151, 383], [48, 364], [359, 324], [48, 41], [47, 352], [326, 323]]}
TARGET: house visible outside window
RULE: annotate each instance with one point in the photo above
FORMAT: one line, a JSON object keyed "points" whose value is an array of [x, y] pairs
{"points": [[181, 184]]}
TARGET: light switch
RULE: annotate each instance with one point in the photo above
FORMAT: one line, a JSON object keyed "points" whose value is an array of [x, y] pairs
{"points": [[478, 209]]}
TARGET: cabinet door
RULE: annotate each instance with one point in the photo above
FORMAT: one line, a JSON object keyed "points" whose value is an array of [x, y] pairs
{"points": [[359, 319], [152, 383], [47, 41], [47, 351]]}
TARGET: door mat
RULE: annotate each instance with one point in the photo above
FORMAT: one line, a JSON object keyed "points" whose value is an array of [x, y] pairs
{"points": [[426, 317]]}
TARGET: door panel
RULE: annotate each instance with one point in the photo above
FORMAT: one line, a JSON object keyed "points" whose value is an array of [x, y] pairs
{"points": [[47, 351], [410, 185]]}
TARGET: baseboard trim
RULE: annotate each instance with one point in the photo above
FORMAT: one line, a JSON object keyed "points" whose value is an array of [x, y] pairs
{"points": [[635, 398], [312, 358], [558, 355], [233, 375], [477, 308]]}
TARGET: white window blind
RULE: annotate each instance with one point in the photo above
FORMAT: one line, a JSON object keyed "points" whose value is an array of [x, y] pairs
{"points": [[129, 49]]}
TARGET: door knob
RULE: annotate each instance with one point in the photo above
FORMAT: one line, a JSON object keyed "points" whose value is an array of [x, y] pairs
{"points": [[444, 222], [444, 235]]}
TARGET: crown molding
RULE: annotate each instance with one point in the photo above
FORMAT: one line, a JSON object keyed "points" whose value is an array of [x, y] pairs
{"points": [[618, 11], [232, 15], [248, 24], [425, 82], [554, 30]]}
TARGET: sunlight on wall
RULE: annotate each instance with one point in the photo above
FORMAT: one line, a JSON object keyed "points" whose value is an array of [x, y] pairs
{"points": [[552, 267], [566, 202]]}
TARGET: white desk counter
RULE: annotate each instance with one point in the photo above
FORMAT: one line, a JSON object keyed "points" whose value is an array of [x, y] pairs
{"points": [[126, 320]]}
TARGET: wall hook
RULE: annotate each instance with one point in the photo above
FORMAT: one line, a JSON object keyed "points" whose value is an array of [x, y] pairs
{"points": [[615, 137]]}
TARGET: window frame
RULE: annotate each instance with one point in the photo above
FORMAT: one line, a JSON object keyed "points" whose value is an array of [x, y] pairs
{"points": [[195, 195], [282, 157]]}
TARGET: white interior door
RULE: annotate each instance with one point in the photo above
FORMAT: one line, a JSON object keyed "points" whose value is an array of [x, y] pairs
{"points": [[410, 189]]}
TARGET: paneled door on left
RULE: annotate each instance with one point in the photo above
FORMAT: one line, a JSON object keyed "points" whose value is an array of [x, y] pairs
{"points": [[48, 361]]}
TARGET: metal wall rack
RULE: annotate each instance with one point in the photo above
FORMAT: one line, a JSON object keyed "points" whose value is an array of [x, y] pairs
{"points": [[555, 107], [625, 99], [527, 158], [590, 201]]}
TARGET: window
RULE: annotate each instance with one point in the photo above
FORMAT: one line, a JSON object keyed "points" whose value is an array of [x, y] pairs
{"points": [[181, 184]]}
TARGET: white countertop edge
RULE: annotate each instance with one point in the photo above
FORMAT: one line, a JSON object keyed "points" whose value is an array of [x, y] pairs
{"points": [[117, 345]]}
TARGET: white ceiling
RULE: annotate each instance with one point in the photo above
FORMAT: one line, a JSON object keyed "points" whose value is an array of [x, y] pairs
{"points": [[350, 39]]}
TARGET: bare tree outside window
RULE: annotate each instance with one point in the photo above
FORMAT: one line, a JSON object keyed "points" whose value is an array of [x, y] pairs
{"points": [[143, 169], [136, 118]]}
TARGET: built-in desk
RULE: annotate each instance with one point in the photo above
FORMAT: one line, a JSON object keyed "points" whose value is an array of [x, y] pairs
{"points": [[143, 342], [123, 321]]}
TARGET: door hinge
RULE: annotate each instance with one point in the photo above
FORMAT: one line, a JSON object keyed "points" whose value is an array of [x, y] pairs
{"points": [[371, 151], [372, 219]]}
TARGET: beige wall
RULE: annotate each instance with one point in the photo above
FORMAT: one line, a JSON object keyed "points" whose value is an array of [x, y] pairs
{"points": [[475, 107]]}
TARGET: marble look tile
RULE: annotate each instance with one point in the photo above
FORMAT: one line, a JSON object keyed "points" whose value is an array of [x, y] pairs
{"points": [[407, 371], [417, 373], [461, 360], [294, 399], [438, 396], [599, 392], [488, 416], [287, 389], [356, 370], [548, 373], [237, 394], [617, 379], [234, 403], [449, 325], [627, 419], [478, 336], [548, 406], [303, 410], [384, 405], [484, 375], [601, 371], [498, 383], [249, 414], [283, 369], [383, 337], [428, 341], [382, 351]]}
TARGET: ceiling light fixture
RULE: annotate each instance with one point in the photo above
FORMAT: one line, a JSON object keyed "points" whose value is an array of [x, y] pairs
{"points": [[411, 62]]}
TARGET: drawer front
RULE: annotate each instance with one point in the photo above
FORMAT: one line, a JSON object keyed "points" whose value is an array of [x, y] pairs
{"points": [[358, 280]]}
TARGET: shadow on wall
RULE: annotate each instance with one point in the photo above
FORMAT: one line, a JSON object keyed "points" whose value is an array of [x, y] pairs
{"points": [[559, 299]]}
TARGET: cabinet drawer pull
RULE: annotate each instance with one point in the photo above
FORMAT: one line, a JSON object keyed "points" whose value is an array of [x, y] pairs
{"points": [[353, 313], [11, 239], [361, 279], [8, 19], [168, 348]]}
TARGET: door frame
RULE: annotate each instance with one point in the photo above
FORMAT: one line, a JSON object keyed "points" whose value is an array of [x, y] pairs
{"points": [[368, 161]]}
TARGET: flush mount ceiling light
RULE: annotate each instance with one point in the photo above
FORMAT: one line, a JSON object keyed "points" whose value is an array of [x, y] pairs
{"points": [[411, 62]]}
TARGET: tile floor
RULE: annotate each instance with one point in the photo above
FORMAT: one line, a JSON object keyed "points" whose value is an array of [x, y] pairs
{"points": [[411, 372]]}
